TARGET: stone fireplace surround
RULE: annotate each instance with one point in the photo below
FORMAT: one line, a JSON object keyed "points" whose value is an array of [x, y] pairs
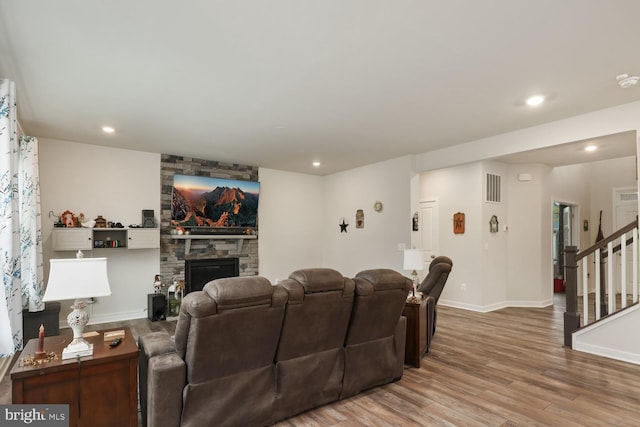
{"points": [[172, 251]]}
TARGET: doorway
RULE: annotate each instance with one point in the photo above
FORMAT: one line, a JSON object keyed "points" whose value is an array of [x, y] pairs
{"points": [[429, 230], [564, 234]]}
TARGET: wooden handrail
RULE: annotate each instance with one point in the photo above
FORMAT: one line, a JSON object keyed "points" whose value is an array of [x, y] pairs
{"points": [[604, 242]]}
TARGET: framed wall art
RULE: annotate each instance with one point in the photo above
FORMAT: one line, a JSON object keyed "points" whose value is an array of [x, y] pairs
{"points": [[458, 223]]}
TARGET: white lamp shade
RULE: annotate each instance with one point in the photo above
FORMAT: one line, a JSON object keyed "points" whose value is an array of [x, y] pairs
{"points": [[76, 278], [413, 259]]}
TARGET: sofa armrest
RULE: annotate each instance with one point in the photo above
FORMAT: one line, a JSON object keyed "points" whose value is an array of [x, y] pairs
{"points": [[162, 376], [399, 341]]}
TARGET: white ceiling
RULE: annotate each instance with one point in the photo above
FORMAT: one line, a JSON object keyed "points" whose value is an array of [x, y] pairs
{"points": [[609, 147], [281, 83]]}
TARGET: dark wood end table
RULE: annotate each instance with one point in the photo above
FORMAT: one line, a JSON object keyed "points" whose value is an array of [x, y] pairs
{"points": [[416, 337], [101, 390]]}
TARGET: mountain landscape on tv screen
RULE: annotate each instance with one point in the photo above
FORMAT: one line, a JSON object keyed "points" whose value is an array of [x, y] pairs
{"points": [[221, 207]]}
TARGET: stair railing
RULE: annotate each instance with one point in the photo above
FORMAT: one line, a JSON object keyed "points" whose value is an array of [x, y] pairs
{"points": [[604, 289]]}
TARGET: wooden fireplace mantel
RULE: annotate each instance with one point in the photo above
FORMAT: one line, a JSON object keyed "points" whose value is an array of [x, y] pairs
{"points": [[239, 238]]}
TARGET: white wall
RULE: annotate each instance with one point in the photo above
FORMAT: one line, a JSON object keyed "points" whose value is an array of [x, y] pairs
{"points": [[603, 177], [116, 184], [291, 214], [459, 189], [529, 240], [375, 245], [494, 245], [513, 267]]}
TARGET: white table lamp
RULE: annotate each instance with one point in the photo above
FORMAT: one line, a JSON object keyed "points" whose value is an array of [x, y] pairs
{"points": [[77, 278], [414, 261]]}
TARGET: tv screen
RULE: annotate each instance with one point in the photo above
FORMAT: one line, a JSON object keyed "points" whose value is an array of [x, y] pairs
{"points": [[200, 201]]}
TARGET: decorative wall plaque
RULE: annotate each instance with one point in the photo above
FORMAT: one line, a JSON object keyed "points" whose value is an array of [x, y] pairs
{"points": [[458, 223]]}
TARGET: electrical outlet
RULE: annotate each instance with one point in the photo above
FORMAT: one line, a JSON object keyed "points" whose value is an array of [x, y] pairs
{"points": [[463, 287]]}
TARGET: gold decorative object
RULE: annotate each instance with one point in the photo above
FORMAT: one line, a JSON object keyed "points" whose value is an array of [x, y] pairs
{"points": [[32, 360]]}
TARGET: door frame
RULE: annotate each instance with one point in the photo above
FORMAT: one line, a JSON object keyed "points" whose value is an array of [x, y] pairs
{"points": [[435, 221], [575, 234]]}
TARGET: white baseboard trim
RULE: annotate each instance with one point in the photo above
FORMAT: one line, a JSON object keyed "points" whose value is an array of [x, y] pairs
{"points": [[496, 306], [607, 352], [97, 319]]}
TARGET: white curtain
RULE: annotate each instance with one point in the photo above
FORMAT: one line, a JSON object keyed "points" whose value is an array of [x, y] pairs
{"points": [[20, 229]]}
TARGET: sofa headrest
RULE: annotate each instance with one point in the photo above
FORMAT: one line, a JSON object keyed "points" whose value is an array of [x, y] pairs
{"points": [[382, 279], [440, 268], [439, 260], [234, 292], [318, 279]]}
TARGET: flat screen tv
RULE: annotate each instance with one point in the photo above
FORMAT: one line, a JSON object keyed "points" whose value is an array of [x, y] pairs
{"points": [[228, 205]]}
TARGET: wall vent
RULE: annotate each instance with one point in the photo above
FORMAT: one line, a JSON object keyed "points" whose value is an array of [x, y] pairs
{"points": [[492, 188]]}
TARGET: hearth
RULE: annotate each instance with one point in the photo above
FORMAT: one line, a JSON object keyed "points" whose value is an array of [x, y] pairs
{"points": [[199, 272]]}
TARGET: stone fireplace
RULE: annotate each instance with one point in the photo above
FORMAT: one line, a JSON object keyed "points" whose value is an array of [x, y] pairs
{"points": [[175, 252]]}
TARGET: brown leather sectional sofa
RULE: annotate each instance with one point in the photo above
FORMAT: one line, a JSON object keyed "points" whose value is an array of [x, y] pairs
{"points": [[247, 353]]}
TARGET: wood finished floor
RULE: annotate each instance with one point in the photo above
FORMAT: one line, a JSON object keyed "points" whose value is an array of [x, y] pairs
{"points": [[504, 368]]}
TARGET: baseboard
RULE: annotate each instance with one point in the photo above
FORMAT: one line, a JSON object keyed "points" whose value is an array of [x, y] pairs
{"points": [[496, 306], [607, 352]]}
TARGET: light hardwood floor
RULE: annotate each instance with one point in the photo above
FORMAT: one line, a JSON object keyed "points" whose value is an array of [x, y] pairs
{"points": [[504, 368]]}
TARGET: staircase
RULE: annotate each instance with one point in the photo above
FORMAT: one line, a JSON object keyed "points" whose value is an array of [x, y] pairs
{"points": [[602, 296]]}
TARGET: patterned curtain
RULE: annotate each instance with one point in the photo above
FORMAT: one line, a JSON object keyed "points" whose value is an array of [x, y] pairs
{"points": [[20, 230]]}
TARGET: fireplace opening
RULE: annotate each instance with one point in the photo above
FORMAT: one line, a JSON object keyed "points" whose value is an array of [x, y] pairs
{"points": [[199, 272]]}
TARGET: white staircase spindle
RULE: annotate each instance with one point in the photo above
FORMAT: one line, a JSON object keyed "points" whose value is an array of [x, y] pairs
{"points": [[623, 271], [585, 290], [611, 299], [598, 284], [635, 264]]}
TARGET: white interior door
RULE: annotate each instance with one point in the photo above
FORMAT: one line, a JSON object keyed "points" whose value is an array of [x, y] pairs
{"points": [[429, 230]]}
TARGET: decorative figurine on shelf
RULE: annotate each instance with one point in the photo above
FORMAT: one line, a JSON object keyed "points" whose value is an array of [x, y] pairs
{"points": [[100, 222], [173, 299], [179, 291], [157, 284], [68, 219]]}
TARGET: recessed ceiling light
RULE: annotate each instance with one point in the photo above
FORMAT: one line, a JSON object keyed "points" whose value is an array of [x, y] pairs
{"points": [[316, 164], [590, 148], [535, 100], [108, 129]]}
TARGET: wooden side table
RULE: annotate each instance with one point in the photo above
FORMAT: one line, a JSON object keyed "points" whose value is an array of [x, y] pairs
{"points": [[416, 338], [101, 390]]}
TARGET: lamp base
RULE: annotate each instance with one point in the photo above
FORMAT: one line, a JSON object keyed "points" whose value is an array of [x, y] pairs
{"points": [[77, 348], [77, 320]]}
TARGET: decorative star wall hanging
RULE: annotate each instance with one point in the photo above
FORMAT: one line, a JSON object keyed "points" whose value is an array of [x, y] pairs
{"points": [[343, 225]]}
